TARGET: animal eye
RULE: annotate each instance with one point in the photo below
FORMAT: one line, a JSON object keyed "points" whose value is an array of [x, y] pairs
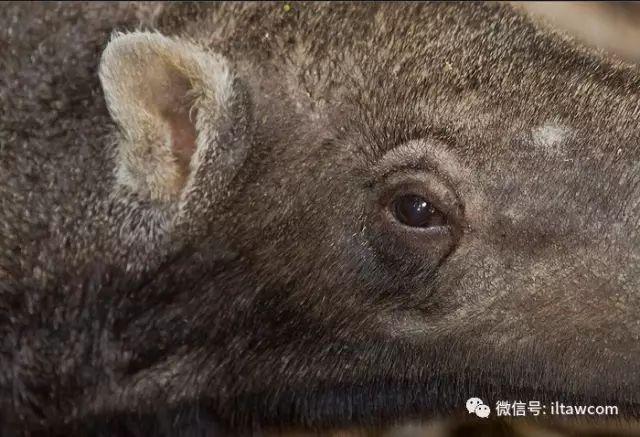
{"points": [[415, 211]]}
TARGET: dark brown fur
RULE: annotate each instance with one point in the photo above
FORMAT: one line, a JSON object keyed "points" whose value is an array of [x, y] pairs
{"points": [[283, 300]]}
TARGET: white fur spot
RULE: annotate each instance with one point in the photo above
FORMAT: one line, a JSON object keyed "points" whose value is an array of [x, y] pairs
{"points": [[549, 137]]}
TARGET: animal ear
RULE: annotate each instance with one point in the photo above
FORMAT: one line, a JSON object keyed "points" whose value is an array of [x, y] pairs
{"points": [[166, 96]]}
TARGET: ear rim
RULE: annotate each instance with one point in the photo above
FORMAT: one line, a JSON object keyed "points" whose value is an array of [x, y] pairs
{"points": [[211, 89]]}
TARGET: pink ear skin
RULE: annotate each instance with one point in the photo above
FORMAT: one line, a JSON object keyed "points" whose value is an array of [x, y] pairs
{"points": [[183, 135]]}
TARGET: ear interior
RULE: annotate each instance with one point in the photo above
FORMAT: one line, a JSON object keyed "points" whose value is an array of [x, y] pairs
{"points": [[183, 133], [170, 96], [154, 87]]}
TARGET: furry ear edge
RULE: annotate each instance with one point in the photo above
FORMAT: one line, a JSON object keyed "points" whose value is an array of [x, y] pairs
{"points": [[163, 93]]}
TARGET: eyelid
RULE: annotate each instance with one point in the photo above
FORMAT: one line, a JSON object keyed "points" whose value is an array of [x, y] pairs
{"points": [[412, 154], [434, 168], [421, 155], [422, 182], [409, 158]]}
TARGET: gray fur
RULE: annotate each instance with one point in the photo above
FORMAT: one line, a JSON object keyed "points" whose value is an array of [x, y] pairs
{"points": [[271, 289]]}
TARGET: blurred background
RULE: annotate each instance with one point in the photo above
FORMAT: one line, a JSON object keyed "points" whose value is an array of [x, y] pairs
{"points": [[611, 26]]}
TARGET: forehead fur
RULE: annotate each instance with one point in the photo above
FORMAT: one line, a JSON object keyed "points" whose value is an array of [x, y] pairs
{"points": [[400, 55]]}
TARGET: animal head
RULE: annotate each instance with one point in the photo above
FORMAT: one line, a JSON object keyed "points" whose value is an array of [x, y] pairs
{"points": [[347, 214]]}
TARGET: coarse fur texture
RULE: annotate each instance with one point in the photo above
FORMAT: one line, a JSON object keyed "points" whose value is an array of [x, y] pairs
{"points": [[262, 282]]}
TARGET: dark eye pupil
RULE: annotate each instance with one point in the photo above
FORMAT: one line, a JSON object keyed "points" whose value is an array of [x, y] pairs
{"points": [[417, 212]]}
